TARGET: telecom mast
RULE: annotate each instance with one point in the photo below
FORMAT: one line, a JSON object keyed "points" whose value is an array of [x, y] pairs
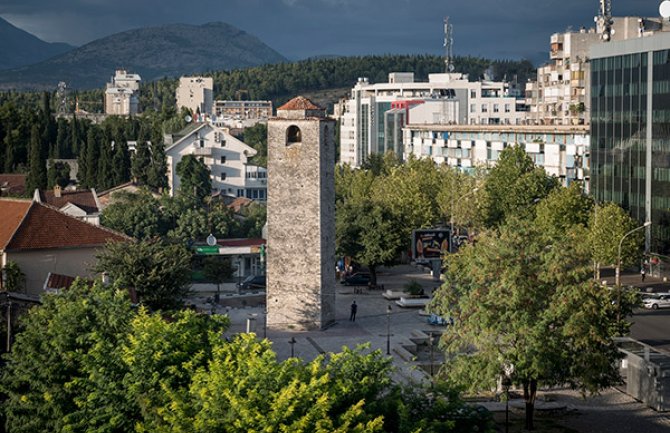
{"points": [[448, 45], [604, 20], [61, 97]]}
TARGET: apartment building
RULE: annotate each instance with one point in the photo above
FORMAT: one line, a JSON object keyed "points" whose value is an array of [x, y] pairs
{"points": [[241, 114], [563, 151], [122, 94], [226, 157], [196, 94], [371, 120], [560, 95]]}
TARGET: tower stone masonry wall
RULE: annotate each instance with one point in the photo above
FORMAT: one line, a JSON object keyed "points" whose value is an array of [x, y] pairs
{"points": [[301, 222]]}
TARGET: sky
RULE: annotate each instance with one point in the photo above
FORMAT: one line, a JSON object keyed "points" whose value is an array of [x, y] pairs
{"points": [[299, 29]]}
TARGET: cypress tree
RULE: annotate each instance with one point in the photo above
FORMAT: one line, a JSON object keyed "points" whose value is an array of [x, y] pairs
{"points": [[105, 176], [81, 163], [121, 164], [61, 150], [10, 153], [74, 142], [157, 175], [141, 163], [51, 174], [92, 152], [37, 176]]}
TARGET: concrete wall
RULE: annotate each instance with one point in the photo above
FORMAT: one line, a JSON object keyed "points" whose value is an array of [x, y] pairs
{"points": [[301, 225], [37, 264]]}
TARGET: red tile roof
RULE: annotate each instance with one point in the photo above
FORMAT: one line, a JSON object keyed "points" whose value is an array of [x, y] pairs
{"points": [[84, 199], [12, 184], [42, 226], [58, 281], [239, 202], [12, 213], [299, 103]]}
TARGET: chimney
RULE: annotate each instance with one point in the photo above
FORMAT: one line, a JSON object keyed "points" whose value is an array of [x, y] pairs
{"points": [[57, 191]]}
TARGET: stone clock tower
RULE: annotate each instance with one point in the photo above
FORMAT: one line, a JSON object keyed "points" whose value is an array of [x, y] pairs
{"points": [[301, 217]]}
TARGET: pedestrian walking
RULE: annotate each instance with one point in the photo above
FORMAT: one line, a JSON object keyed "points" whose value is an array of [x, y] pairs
{"points": [[642, 273], [354, 308]]}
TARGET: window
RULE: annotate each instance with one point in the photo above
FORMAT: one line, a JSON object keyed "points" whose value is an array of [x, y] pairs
{"points": [[496, 108], [240, 193], [508, 108], [473, 93], [473, 108], [485, 108], [223, 159], [223, 176], [293, 135]]}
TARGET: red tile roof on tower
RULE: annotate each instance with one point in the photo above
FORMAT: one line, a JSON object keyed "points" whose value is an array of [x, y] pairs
{"points": [[84, 199], [32, 225], [299, 103]]}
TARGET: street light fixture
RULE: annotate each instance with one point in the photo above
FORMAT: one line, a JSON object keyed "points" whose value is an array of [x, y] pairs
{"points": [[617, 278], [451, 217]]}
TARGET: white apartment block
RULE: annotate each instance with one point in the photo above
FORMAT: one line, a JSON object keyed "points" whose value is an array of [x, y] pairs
{"points": [[226, 157], [563, 151], [371, 121], [196, 94], [241, 114], [560, 96], [121, 94]]}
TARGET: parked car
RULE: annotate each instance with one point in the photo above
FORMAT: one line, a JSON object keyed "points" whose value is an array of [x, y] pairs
{"points": [[357, 279], [656, 301], [257, 282]]}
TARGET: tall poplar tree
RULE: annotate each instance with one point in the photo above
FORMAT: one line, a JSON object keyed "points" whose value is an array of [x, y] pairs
{"points": [[157, 174], [105, 178], [121, 163], [141, 163], [92, 152]]}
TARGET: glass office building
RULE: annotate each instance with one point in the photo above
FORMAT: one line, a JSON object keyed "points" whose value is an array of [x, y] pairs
{"points": [[630, 131]]}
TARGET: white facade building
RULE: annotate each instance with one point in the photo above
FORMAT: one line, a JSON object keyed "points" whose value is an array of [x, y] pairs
{"points": [[121, 94], [196, 94], [448, 98], [563, 151], [560, 96], [241, 114], [224, 155]]}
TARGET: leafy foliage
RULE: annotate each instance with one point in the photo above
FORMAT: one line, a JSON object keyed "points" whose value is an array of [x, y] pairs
{"points": [[608, 224], [157, 270]]}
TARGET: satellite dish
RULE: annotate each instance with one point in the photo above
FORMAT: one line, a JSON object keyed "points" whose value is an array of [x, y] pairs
{"points": [[188, 118], [664, 9]]}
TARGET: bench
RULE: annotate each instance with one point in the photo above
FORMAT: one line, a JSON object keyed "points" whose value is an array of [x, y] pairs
{"points": [[407, 302], [391, 295]]}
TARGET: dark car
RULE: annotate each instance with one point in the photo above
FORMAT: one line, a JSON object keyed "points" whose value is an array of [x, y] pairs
{"points": [[255, 282], [357, 279]]}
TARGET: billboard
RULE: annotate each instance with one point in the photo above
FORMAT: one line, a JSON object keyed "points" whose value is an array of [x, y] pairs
{"points": [[429, 244]]}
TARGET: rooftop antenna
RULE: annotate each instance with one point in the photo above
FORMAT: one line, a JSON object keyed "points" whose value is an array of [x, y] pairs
{"points": [[604, 21], [448, 45], [61, 97]]}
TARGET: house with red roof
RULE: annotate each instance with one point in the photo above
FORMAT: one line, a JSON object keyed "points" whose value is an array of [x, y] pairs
{"points": [[41, 239], [82, 203]]}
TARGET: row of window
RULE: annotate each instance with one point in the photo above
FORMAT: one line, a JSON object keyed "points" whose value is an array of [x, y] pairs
{"points": [[485, 108]]}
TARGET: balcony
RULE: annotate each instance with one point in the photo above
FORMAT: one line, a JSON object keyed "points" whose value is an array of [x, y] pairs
{"points": [[202, 151]]}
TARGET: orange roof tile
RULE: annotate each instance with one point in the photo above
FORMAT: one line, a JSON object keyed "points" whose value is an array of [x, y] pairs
{"points": [[84, 199], [12, 213], [47, 227], [299, 103]]}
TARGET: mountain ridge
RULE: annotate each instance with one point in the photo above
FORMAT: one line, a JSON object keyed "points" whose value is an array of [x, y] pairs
{"points": [[20, 48], [168, 50]]}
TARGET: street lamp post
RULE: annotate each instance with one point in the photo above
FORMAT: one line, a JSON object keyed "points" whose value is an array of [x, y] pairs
{"points": [[388, 330], [617, 278], [451, 217], [292, 342]]}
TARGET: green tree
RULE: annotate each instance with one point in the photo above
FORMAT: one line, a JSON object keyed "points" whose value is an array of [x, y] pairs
{"points": [[121, 163], [104, 174], [217, 270], [254, 218], [141, 162], [194, 178], [37, 176], [607, 226], [158, 271], [138, 215], [157, 172], [514, 186], [91, 158], [523, 301], [562, 209], [61, 373], [257, 137], [58, 173]]}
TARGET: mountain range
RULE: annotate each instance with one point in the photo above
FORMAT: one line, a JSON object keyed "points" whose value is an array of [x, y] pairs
{"points": [[154, 52], [20, 48]]}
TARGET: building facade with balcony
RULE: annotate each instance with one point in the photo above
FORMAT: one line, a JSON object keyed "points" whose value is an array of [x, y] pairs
{"points": [[563, 151], [241, 114], [560, 95], [226, 157], [370, 120]]}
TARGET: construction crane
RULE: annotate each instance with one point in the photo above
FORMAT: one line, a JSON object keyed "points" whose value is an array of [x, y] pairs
{"points": [[604, 20], [448, 46]]}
